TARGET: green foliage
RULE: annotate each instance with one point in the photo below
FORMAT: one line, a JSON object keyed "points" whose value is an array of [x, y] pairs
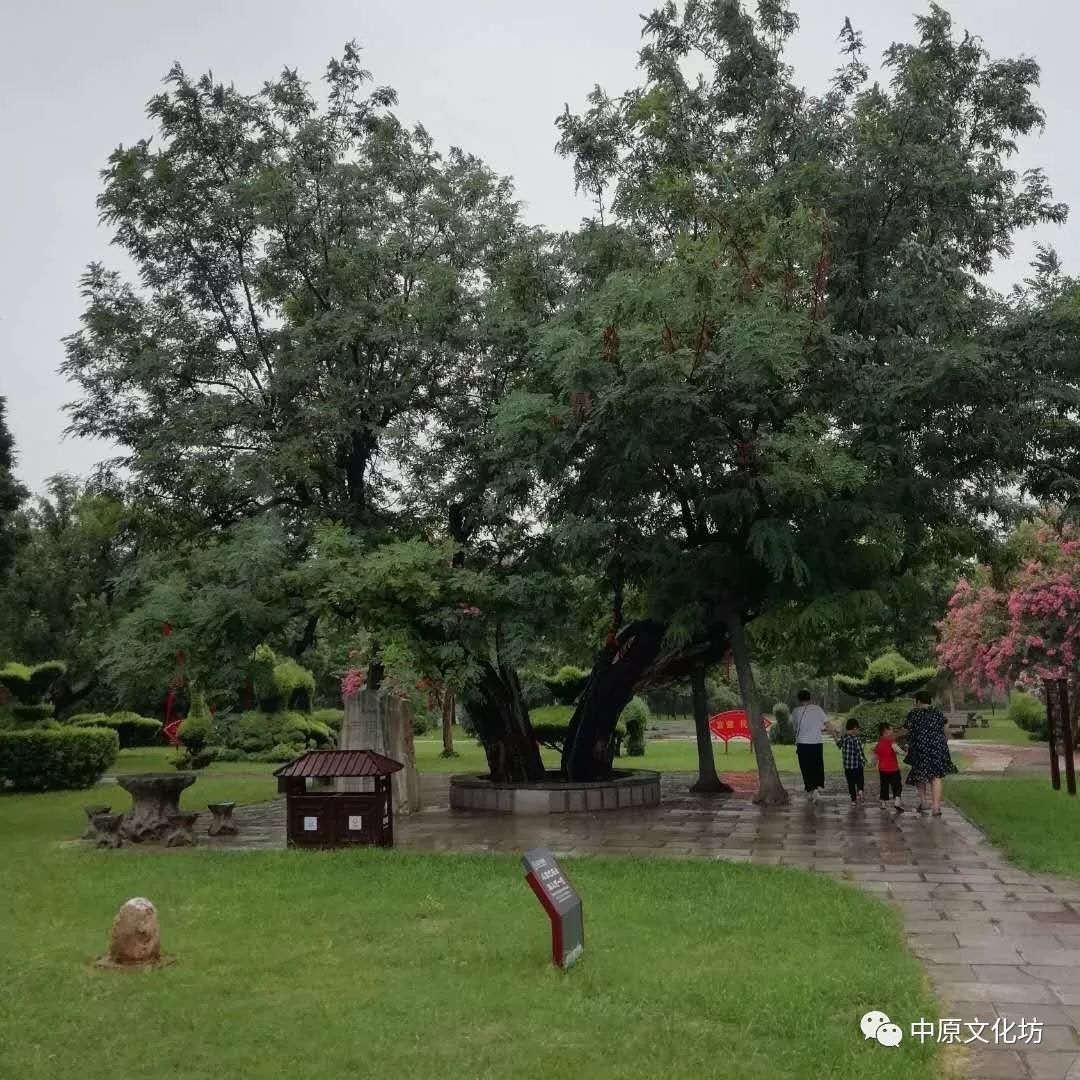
{"points": [[1028, 713], [55, 759], [331, 718], [28, 684], [262, 678], [31, 714], [12, 493], [551, 724], [254, 733], [872, 714], [635, 718], [194, 733], [566, 684], [280, 683], [132, 729], [782, 732], [888, 677]]}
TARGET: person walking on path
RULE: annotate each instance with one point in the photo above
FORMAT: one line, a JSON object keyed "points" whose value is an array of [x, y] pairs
{"points": [[851, 751], [809, 721], [928, 752], [889, 780]]}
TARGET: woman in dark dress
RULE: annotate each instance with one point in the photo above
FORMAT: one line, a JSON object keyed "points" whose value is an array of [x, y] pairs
{"points": [[928, 752]]}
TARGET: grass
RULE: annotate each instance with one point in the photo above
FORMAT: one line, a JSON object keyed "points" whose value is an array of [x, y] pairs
{"points": [[1037, 827], [1001, 730], [358, 963]]}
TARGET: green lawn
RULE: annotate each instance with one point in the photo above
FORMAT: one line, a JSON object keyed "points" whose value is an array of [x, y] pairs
{"points": [[356, 964], [1038, 828], [1001, 730]]}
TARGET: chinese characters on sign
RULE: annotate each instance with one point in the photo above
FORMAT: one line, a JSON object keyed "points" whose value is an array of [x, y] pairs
{"points": [[730, 725], [996, 1032], [561, 903]]}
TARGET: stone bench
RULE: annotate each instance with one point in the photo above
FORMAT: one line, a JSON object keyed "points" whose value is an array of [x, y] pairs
{"points": [[92, 812], [107, 830], [183, 830], [223, 824]]}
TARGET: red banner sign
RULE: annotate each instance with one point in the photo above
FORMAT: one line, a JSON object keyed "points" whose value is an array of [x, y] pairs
{"points": [[732, 725]]}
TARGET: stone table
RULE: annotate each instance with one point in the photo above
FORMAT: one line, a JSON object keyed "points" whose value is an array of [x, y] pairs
{"points": [[155, 799]]}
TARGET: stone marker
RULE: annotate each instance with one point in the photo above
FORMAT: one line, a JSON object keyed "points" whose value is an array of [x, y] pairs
{"points": [[134, 937]]}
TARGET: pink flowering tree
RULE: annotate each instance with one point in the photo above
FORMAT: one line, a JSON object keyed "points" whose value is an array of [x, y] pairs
{"points": [[1027, 630]]}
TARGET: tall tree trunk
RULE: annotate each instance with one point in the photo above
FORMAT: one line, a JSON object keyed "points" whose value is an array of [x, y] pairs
{"points": [[449, 710], [590, 740], [498, 710], [708, 780], [770, 790]]}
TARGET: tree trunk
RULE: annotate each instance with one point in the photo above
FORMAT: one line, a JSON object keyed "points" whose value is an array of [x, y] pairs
{"points": [[449, 710], [770, 790], [498, 710], [708, 780], [590, 740]]}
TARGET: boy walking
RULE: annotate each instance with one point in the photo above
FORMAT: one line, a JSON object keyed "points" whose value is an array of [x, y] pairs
{"points": [[809, 720], [888, 769], [854, 760]]}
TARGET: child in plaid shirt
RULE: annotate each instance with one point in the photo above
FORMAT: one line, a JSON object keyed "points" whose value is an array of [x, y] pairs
{"points": [[851, 751]]}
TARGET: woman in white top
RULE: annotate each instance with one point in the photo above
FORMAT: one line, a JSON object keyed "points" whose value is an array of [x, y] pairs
{"points": [[809, 721]]}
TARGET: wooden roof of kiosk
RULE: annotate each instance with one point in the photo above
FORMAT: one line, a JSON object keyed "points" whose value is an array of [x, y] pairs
{"points": [[330, 764]]}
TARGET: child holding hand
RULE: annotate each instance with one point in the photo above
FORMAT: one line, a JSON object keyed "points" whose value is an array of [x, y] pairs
{"points": [[854, 760], [888, 769]]}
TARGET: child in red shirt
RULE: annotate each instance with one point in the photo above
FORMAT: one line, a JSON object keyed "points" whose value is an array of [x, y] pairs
{"points": [[888, 769]]}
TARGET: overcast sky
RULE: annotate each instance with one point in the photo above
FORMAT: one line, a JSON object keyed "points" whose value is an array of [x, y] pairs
{"points": [[487, 75]]}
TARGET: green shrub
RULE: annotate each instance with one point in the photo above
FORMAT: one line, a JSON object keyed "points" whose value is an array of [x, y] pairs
{"points": [[55, 759], [29, 684], [280, 752], [262, 678], [295, 685], [635, 717], [255, 731], [721, 697], [332, 718], [887, 678], [872, 714], [551, 724], [133, 729], [783, 731], [28, 715], [194, 733], [1028, 713], [566, 684]]}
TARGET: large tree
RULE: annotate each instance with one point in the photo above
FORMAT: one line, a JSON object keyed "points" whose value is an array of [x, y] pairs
{"points": [[312, 276], [775, 389]]}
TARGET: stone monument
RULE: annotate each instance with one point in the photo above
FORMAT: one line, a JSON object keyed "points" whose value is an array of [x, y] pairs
{"points": [[384, 723]]}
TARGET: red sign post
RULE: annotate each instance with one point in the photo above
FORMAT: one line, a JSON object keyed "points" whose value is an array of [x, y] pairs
{"points": [[733, 724], [562, 904]]}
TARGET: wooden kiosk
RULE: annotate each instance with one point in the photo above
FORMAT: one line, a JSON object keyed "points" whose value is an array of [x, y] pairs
{"points": [[318, 818]]}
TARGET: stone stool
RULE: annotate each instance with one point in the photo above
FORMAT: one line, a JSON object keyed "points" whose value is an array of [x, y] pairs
{"points": [[223, 824], [183, 830], [107, 829], [91, 813]]}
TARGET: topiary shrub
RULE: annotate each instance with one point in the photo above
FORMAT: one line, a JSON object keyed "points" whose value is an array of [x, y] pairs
{"points": [[28, 686], [783, 731], [635, 717], [280, 683], [194, 735], [551, 724], [872, 714], [1028, 713], [887, 678], [55, 759], [566, 684], [132, 729]]}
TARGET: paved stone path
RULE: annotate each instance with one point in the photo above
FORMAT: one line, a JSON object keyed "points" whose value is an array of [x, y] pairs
{"points": [[996, 942]]}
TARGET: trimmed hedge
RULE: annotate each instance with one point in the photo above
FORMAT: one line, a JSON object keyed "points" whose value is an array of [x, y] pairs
{"points": [[28, 715], [635, 717], [872, 714], [332, 718], [28, 684], [551, 724], [55, 759], [1028, 713], [280, 683], [133, 729]]}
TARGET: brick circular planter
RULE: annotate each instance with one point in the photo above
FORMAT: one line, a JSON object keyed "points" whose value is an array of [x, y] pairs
{"points": [[627, 789]]}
